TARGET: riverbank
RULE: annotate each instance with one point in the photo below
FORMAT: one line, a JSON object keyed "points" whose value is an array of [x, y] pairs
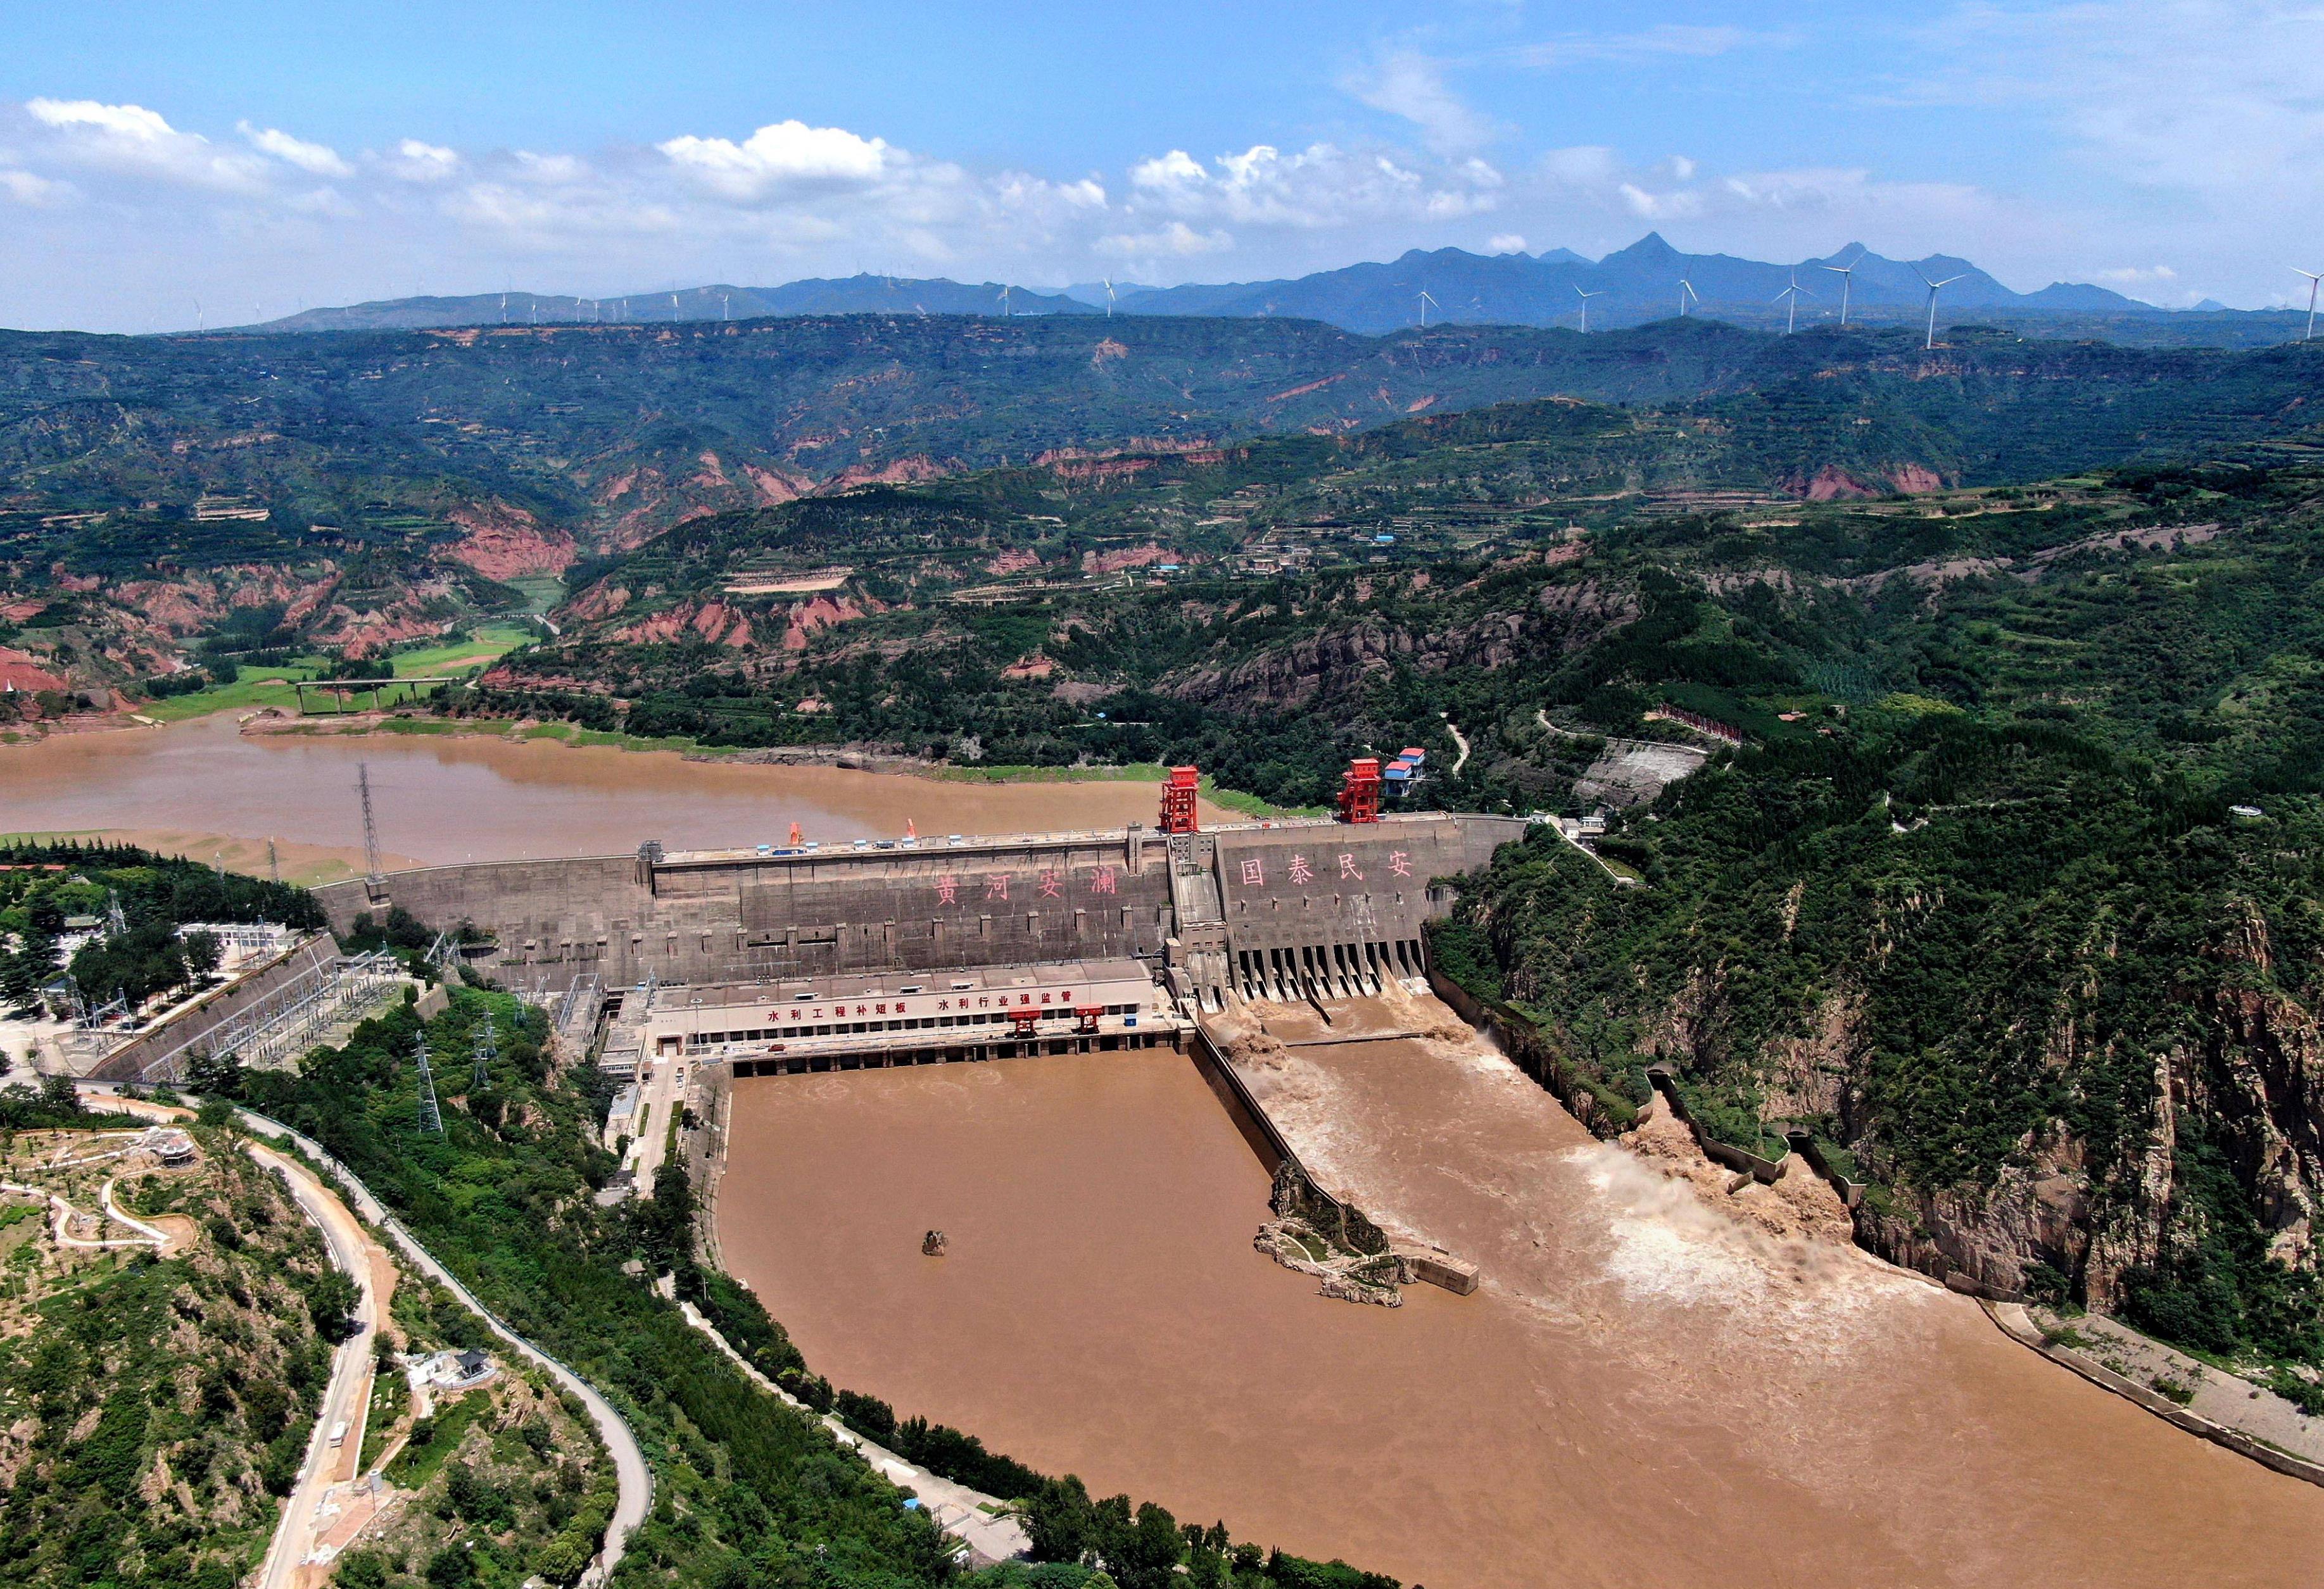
{"points": [[307, 865], [443, 796], [854, 757], [2210, 1402]]}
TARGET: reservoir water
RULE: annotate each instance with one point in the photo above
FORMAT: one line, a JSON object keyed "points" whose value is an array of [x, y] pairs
{"points": [[1642, 1392], [197, 785]]}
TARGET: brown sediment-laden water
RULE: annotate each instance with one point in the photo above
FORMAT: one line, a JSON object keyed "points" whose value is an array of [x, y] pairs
{"points": [[447, 798], [1644, 1391]]}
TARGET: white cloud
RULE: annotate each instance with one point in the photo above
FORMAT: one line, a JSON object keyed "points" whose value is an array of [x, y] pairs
{"points": [[780, 155], [2139, 275], [135, 141], [1176, 240], [1586, 165], [2207, 96], [1506, 242], [1406, 83], [24, 187], [134, 122], [1682, 168], [1321, 186], [1659, 206], [549, 168], [415, 161], [1668, 40], [1056, 202], [320, 159]]}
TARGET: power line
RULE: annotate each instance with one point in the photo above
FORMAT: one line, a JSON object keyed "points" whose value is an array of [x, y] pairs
{"points": [[431, 1119]]}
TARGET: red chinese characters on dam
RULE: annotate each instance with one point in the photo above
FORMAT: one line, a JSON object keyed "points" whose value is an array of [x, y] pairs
{"points": [[1061, 997], [1049, 883], [1300, 871]]}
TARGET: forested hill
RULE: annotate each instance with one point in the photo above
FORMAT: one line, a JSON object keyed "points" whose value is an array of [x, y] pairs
{"points": [[556, 441], [1975, 905]]}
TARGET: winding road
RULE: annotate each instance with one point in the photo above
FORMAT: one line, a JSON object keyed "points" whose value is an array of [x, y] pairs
{"points": [[629, 1470], [342, 1402], [346, 1399], [1453, 729]]}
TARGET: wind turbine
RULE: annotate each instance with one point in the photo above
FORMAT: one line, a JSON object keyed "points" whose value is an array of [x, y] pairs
{"points": [[2313, 278], [1790, 295], [1933, 286], [1004, 302], [1586, 297], [200, 323], [1109, 295], [1426, 303], [1847, 275], [1686, 290]]}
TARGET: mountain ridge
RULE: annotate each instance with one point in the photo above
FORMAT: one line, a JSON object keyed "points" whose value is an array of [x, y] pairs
{"points": [[1628, 287]]}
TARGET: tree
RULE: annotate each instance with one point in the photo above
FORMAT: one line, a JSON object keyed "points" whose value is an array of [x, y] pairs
{"points": [[59, 1096], [32, 964], [215, 1075], [331, 1298], [450, 1568], [203, 953], [1151, 1552], [1057, 1521], [665, 1224]]}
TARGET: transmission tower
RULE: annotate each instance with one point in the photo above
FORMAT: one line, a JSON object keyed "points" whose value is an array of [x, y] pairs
{"points": [[116, 925], [273, 862], [487, 1049], [431, 1119], [374, 876]]}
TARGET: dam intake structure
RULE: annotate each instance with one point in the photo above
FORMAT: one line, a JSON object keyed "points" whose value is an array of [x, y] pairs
{"points": [[800, 958], [1293, 909]]}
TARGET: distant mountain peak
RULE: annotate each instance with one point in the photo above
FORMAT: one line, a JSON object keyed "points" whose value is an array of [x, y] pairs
{"points": [[1651, 246], [1629, 286]]}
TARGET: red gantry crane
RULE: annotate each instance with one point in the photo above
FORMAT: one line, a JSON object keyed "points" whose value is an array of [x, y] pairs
{"points": [[1178, 794], [1359, 793]]}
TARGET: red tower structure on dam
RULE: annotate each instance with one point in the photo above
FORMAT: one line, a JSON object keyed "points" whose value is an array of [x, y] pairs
{"points": [[1178, 794], [1360, 792]]}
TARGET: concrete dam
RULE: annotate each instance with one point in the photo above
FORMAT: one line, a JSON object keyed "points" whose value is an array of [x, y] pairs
{"points": [[1287, 909]]}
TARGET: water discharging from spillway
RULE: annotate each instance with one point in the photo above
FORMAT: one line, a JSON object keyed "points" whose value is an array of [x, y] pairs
{"points": [[1643, 1390]]}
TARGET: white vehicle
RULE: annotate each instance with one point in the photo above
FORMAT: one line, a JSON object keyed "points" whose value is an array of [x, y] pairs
{"points": [[339, 1432]]}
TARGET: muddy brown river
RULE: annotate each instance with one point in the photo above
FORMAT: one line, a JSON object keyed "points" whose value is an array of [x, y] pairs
{"points": [[1640, 1393], [452, 798]]}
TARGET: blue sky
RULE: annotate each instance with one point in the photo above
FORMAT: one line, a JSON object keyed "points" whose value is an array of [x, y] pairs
{"points": [[260, 156]]}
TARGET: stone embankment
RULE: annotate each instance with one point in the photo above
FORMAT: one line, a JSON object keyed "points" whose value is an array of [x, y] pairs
{"points": [[2203, 1401]]}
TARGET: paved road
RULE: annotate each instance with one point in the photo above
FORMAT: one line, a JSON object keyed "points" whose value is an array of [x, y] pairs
{"points": [[630, 1469], [661, 1093], [347, 1397]]}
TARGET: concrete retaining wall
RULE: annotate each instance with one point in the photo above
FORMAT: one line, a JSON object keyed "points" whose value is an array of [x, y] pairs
{"points": [[129, 1063], [2020, 1328], [1533, 1053]]}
